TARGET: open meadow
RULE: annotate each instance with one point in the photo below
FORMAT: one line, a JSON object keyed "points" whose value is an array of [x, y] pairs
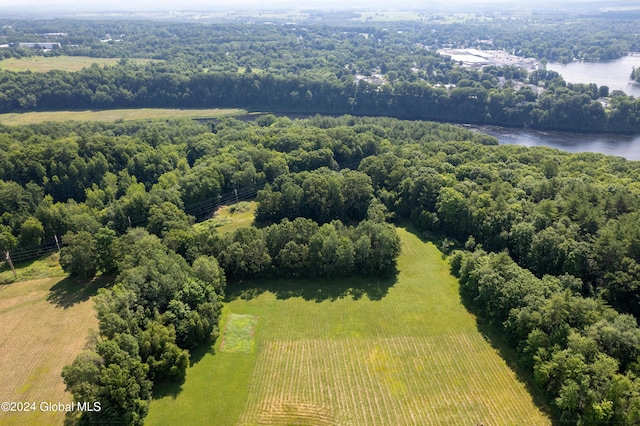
{"points": [[25, 118], [402, 351], [62, 63], [44, 324]]}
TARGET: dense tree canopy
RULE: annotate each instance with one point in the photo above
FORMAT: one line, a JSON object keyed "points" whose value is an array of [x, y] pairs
{"points": [[552, 245], [158, 308], [554, 234], [582, 353]]}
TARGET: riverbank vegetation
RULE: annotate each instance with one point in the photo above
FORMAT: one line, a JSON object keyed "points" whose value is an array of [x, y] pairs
{"points": [[635, 75], [355, 68], [124, 198]]}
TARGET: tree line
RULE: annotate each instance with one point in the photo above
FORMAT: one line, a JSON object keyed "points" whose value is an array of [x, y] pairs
{"points": [[302, 248], [476, 97], [159, 308], [545, 36], [390, 70]]}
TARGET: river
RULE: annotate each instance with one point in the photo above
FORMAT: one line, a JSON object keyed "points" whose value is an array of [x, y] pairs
{"points": [[615, 74], [627, 146]]}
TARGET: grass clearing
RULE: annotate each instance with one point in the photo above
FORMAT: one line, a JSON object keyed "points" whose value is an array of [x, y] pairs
{"points": [[339, 353], [44, 324], [235, 216], [238, 334], [44, 267], [19, 119], [62, 63]]}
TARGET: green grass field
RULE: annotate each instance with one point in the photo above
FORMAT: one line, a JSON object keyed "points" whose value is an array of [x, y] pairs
{"points": [[44, 324], [358, 352], [44, 267], [17, 119], [236, 216], [62, 63]]}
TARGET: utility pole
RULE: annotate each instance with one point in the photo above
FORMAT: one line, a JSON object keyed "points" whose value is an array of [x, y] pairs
{"points": [[236, 191], [57, 242], [6, 255]]}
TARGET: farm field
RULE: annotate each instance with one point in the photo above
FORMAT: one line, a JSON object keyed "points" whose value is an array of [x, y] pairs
{"points": [[62, 63], [26, 118], [44, 324], [398, 352]]}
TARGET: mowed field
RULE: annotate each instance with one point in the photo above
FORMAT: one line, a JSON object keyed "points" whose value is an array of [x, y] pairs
{"points": [[62, 63], [44, 324], [25, 118], [408, 355]]}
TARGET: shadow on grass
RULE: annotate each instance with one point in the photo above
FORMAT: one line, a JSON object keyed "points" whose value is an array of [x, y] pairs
{"points": [[167, 389], [195, 355], [173, 389], [45, 266], [444, 243], [71, 291], [318, 290]]}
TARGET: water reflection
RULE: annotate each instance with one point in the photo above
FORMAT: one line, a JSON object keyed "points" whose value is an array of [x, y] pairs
{"points": [[614, 74], [627, 146]]}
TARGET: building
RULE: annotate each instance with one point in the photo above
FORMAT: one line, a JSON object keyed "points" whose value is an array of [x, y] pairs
{"points": [[41, 45]]}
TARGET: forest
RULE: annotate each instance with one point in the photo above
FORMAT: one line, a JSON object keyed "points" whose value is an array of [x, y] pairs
{"points": [[545, 243], [353, 68]]}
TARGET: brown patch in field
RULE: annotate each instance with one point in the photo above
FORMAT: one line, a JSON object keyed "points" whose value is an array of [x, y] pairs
{"points": [[296, 413]]}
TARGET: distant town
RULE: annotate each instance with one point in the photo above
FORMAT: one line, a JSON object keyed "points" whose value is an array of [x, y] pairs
{"points": [[476, 58]]}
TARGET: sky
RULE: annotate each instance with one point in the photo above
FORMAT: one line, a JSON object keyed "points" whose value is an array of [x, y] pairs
{"points": [[207, 4], [94, 5]]}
